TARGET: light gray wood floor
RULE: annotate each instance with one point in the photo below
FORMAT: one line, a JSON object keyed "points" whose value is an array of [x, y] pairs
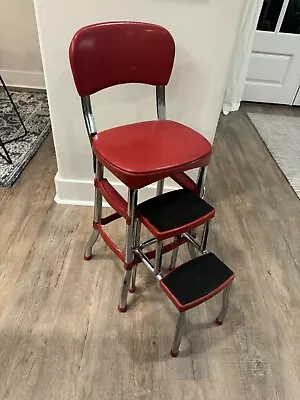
{"points": [[61, 336]]}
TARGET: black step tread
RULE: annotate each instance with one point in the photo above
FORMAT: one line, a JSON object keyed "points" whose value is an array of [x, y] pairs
{"points": [[174, 209], [196, 281]]}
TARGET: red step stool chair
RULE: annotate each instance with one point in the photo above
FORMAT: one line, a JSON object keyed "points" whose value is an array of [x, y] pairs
{"points": [[114, 53]]}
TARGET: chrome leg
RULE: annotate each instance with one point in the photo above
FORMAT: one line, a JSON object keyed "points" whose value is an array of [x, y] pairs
{"points": [[133, 279], [137, 236], [124, 291], [201, 189], [137, 233], [158, 257], [89, 247], [174, 257], [178, 334], [129, 255], [97, 216], [132, 199], [191, 249], [204, 236], [160, 187], [201, 181], [224, 309]]}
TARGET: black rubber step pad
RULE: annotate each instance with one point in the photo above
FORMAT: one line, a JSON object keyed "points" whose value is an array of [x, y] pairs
{"points": [[174, 209], [196, 281]]}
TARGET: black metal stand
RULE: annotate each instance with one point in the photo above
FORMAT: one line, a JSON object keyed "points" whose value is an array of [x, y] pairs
{"points": [[7, 157]]}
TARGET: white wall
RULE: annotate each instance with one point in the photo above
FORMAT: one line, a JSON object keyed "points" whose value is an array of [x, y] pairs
{"points": [[20, 57], [204, 31]]}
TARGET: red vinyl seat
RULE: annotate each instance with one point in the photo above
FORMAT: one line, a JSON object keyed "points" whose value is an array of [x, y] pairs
{"points": [[145, 152]]}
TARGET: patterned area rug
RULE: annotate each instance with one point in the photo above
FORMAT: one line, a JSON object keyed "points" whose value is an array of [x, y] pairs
{"points": [[33, 108], [281, 135]]}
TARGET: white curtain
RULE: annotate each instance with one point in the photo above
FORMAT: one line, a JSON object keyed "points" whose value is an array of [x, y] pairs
{"points": [[241, 56]]}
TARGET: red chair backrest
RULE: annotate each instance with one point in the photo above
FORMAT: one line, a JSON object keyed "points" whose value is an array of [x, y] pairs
{"points": [[112, 53]]}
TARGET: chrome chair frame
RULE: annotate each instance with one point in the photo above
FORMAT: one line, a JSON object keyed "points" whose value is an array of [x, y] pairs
{"points": [[133, 247]]}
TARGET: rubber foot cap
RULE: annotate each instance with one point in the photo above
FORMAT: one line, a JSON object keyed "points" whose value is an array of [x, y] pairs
{"points": [[131, 290], [87, 258], [218, 322], [122, 310], [173, 354]]}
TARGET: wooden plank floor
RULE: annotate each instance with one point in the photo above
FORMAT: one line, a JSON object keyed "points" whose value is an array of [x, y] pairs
{"points": [[61, 336]]}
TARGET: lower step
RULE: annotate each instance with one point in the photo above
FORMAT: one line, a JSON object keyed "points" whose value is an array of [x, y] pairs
{"points": [[196, 281]]}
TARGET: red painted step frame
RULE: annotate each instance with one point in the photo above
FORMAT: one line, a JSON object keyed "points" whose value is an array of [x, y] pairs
{"points": [[119, 204]]}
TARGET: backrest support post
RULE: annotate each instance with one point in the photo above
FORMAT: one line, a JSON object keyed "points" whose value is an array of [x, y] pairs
{"points": [[161, 102], [88, 116]]}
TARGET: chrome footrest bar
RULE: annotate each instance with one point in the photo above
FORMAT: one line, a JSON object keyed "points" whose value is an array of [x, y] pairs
{"points": [[193, 241], [147, 263], [147, 243]]}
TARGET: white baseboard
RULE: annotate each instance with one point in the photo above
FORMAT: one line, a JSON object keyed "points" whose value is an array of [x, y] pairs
{"points": [[82, 192], [23, 79]]}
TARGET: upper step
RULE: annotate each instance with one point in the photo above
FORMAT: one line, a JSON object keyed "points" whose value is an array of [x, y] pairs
{"points": [[173, 213], [196, 281]]}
